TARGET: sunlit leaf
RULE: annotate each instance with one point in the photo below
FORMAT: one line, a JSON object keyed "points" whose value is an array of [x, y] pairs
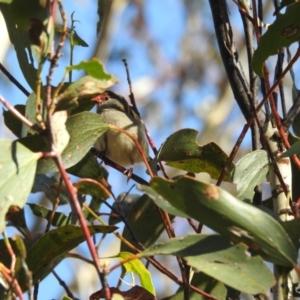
{"points": [[137, 267], [85, 86], [94, 68], [17, 170], [232, 218], [181, 151], [60, 133]]}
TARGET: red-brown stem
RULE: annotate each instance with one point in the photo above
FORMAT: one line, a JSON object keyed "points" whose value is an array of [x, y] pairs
{"points": [[14, 283], [73, 196], [250, 121]]}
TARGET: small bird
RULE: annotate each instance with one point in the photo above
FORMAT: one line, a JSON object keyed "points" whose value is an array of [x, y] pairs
{"points": [[115, 110]]}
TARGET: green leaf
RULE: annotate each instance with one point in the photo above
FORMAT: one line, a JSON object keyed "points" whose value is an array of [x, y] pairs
{"points": [[250, 171], [54, 245], [21, 12], [84, 129], [88, 167], [294, 149], [145, 222], [30, 114], [205, 283], [85, 86], [11, 122], [35, 143], [6, 1], [181, 151], [92, 187], [216, 257], [296, 125], [78, 41], [94, 68], [59, 218], [17, 170], [232, 218], [282, 33], [123, 205], [103, 6], [21, 43], [72, 34], [15, 216], [137, 267]]}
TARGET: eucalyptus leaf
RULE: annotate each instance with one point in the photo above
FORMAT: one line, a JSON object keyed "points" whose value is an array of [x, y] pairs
{"points": [[181, 151], [145, 222], [250, 171], [13, 123], [216, 257], [84, 129], [204, 283], [232, 218], [18, 166], [59, 219], [54, 245], [85, 86], [282, 33], [137, 267]]}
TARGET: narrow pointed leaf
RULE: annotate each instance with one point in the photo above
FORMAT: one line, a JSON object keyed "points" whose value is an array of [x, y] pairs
{"points": [[59, 218], [294, 149], [54, 245], [84, 129], [232, 218], [17, 170], [181, 151], [216, 257]]}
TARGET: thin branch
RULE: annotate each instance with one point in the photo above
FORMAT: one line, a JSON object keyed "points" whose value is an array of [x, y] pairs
{"points": [[64, 285], [19, 116], [14, 80]]}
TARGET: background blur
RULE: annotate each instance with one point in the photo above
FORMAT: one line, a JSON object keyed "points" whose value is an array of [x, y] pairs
{"points": [[178, 82]]}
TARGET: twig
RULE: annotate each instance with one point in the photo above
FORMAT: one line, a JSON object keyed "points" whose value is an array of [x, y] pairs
{"points": [[64, 285], [117, 167], [252, 117], [12, 281], [14, 80], [55, 205], [19, 116], [133, 103]]}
